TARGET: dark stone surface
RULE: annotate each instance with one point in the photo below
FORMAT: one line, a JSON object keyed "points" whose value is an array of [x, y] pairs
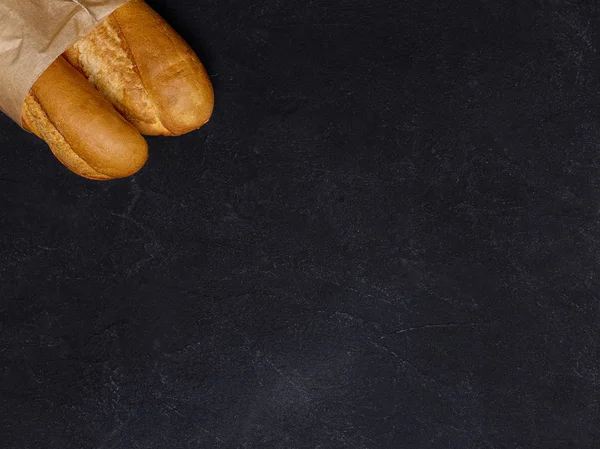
{"points": [[387, 237]]}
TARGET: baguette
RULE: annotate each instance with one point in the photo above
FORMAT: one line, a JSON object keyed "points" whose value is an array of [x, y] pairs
{"points": [[81, 127], [149, 73]]}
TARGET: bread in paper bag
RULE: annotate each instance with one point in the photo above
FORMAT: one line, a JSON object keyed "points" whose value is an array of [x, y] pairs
{"points": [[135, 60]]}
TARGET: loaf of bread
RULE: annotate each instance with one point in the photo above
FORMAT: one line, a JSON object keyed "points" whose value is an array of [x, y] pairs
{"points": [[146, 70], [133, 74], [82, 128]]}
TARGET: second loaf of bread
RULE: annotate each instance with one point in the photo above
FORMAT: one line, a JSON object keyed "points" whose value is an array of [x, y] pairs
{"points": [[83, 130], [137, 61]]}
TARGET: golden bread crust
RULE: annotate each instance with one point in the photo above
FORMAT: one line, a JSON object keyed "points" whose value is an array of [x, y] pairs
{"points": [[137, 61], [81, 127]]}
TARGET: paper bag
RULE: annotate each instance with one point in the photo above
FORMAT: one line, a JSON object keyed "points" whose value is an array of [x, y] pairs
{"points": [[33, 33]]}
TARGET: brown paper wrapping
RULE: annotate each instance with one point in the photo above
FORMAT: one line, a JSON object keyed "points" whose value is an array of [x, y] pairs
{"points": [[33, 33]]}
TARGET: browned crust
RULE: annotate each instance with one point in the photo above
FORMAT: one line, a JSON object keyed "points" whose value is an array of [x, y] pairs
{"points": [[81, 128], [137, 61]]}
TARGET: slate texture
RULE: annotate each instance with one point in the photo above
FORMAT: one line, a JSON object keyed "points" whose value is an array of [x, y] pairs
{"points": [[388, 236]]}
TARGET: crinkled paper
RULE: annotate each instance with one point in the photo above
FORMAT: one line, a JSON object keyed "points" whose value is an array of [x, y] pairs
{"points": [[33, 34]]}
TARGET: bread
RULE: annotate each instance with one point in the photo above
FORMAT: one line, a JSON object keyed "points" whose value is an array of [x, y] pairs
{"points": [[137, 61], [141, 75], [82, 128]]}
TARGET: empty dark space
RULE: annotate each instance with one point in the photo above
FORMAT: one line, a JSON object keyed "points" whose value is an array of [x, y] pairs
{"points": [[388, 236]]}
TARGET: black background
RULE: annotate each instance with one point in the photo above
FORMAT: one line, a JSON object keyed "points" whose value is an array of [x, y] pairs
{"points": [[388, 236]]}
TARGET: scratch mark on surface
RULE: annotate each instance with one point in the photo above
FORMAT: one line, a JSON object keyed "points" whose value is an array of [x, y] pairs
{"points": [[287, 379], [389, 351], [137, 192], [198, 426], [431, 326], [409, 366], [48, 248]]}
